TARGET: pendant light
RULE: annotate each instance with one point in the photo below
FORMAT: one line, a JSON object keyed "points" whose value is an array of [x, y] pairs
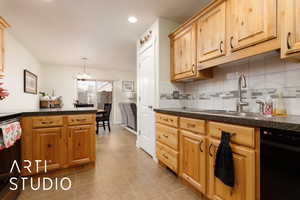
{"points": [[84, 75]]}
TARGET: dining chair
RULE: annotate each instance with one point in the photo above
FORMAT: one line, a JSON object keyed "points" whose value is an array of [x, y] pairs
{"points": [[103, 119]]}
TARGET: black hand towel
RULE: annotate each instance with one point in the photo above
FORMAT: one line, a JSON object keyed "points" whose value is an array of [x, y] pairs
{"points": [[224, 169]]}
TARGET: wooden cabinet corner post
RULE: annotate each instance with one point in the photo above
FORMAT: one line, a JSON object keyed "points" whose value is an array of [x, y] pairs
{"points": [[3, 26]]}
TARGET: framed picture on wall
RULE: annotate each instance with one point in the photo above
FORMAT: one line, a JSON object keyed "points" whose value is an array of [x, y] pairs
{"points": [[30, 82], [128, 86]]}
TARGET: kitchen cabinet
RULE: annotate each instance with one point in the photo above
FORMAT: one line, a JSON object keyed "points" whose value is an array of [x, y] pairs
{"points": [[184, 51], [47, 146], [251, 22], [167, 141], [230, 30], [64, 141], [211, 34], [193, 159], [80, 143], [290, 29], [244, 167], [3, 26]]}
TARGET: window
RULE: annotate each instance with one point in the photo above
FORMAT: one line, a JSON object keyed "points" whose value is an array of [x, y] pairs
{"points": [[94, 92]]}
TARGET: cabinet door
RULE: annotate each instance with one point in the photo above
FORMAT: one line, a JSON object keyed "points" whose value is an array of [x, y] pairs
{"points": [[193, 159], [184, 53], [244, 166], [252, 22], [211, 34], [47, 146], [80, 143], [291, 28]]}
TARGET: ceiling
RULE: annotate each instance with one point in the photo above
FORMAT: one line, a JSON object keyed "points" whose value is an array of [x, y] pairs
{"points": [[60, 32]]}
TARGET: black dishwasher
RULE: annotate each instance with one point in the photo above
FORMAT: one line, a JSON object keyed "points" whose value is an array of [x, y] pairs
{"points": [[280, 165]]}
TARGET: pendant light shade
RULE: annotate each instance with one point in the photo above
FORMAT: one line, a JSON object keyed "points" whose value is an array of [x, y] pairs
{"points": [[84, 75]]}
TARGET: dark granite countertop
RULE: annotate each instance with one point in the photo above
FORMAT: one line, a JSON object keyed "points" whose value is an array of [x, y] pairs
{"points": [[290, 122], [48, 111]]}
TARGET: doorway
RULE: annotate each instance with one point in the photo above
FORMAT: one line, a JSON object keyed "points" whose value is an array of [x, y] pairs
{"points": [[146, 77]]}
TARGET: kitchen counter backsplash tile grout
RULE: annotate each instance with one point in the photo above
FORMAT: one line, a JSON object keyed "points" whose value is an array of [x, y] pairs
{"points": [[266, 75]]}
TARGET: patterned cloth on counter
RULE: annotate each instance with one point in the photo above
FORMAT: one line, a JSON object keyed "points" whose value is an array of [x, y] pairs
{"points": [[9, 134]]}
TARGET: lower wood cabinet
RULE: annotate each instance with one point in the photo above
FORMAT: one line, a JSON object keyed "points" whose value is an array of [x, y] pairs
{"points": [[244, 167], [193, 159], [79, 145], [47, 146], [198, 143], [53, 139]]}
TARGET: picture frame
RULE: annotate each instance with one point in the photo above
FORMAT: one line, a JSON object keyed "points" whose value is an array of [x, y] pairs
{"points": [[127, 86], [30, 82]]}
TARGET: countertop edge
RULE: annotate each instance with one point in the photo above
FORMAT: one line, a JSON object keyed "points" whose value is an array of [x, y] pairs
{"points": [[6, 116], [234, 120]]}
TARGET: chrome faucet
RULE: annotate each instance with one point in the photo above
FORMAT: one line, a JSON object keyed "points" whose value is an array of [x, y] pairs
{"points": [[241, 103]]}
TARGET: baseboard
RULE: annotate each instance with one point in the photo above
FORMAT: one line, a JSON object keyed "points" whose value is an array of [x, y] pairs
{"points": [[130, 130]]}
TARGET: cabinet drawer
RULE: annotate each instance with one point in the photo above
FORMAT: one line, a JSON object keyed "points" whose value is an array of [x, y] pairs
{"points": [[80, 119], [167, 135], [47, 121], [242, 135], [167, 119], [168, 156], [194, 125]]}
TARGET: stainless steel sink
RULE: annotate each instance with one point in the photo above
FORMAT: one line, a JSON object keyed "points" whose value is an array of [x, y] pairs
{"points": [[234, 113]]}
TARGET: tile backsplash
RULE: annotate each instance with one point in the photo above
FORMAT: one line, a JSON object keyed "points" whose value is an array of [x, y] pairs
{"points": [[266, 75]]}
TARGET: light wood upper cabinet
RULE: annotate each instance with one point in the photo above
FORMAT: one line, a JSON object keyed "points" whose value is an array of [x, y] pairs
{"points": [[211, 34], [291, 29], [183, 49], [3, 26], [48, 146], [251, 22], [193, 159], [244, 167], [80, 144]]}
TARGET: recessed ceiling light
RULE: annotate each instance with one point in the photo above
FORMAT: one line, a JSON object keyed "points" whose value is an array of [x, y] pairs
{"points": [[132, 19]]}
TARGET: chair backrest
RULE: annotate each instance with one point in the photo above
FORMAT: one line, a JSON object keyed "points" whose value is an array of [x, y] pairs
{"points": [[107, 109]]}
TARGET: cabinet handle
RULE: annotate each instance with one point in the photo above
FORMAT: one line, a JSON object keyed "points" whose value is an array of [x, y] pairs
{"points": [[166, 157], [165, 136], [288, 40], [81, 120], [191, 125], [209, 150], [50, 122], [221, 44], [231, 39], [200, 146], [193, 68]]}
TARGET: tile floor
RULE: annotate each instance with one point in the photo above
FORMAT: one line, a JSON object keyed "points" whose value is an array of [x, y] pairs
{"points": [[122, 172]]}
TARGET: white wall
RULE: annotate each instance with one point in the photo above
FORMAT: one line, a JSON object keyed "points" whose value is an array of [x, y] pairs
{"points": [[18, 58], [63, 80]]}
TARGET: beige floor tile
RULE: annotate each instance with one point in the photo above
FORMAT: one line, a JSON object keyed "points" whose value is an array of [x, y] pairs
{"points": [[122, 172]]}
